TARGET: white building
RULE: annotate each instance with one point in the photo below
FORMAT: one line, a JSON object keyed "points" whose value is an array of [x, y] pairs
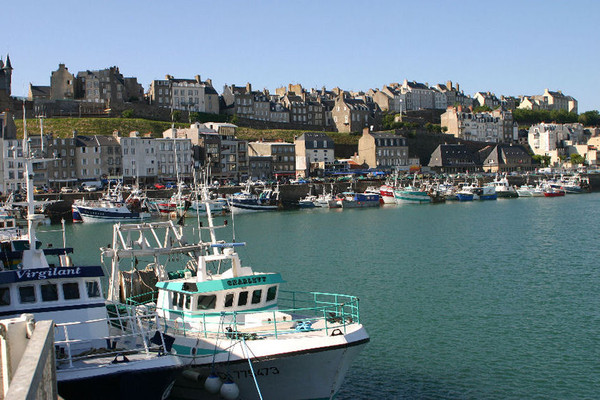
{"points": [[312, 148], [554, 139], [139, 158], [495, 126]]}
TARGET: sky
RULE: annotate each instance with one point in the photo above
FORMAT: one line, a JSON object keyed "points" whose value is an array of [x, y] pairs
{"points": [[507, 47]]}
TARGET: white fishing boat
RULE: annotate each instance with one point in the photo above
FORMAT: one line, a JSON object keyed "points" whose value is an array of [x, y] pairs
{"points": [[110, 207], [97, 356], [503, 188], [231, 324], [248, 201]]}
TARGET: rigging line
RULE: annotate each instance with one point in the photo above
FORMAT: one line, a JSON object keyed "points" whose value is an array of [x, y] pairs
{"points": [[245, 350]]}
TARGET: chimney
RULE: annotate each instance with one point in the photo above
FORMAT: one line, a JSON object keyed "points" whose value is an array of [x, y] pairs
{"points": [[449, 85], [248, 88], [457, 87], [209, 82], [197, 78]]}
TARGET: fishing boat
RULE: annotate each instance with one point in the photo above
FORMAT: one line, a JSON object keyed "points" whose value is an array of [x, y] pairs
{"points": [[387, 194], [230, 324], [553, 192], [97, 356], [358, 200], [110, 207], [248, 201], [412, 194], [502, 188]]}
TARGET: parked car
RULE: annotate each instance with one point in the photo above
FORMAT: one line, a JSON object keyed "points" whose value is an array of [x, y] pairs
{"points": [[90, 188], [66, 189], [159, 186]]}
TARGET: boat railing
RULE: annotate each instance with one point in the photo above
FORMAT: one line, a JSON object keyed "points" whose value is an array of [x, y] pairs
{"points": [[132, 337], [295, 312]]}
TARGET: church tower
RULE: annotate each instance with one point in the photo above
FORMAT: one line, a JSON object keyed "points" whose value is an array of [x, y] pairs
{"points": [[5, 78]]}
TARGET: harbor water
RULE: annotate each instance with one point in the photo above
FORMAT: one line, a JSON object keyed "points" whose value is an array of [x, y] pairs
{"points": [[478, 300]]}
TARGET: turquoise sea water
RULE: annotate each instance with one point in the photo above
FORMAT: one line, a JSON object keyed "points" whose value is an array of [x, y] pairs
{"points": [[481, 300]]}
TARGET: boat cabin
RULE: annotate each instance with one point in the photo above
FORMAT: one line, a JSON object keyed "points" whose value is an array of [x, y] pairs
{"points": [[237, 292]]}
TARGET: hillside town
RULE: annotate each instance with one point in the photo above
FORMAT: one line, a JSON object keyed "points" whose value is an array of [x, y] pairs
{"points": [[481, 130]]}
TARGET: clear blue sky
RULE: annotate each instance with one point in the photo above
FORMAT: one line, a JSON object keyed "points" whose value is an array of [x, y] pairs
{"points": [[507, 47]]}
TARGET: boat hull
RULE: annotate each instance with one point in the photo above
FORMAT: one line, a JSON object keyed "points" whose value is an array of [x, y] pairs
{"points": [[91, 214], [412, 196], [310, 368]]}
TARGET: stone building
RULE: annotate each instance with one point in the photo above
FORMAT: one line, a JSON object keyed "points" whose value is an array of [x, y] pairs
{"points": [[553, 139], [382, 150], [106, 86], [5, 83], [98, 157], [260, 168], [312, 148], [494, 126], [550, 100], [192, 95], [282, 154], [62, 84], [453, 158], [350, 115], [504, 157]]}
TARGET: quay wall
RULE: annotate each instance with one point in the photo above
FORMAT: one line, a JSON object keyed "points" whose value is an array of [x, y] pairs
{"points": [[290, 194]]}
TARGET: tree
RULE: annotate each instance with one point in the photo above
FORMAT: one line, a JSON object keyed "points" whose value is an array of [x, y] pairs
{"points": [[194, 116], [175, 115], [590, 118], [577, 159], [127, 113], [479, 109], [544, 161]]}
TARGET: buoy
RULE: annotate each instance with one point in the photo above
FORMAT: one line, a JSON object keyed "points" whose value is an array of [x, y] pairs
{"points": [[230, 390], [213, 384]]}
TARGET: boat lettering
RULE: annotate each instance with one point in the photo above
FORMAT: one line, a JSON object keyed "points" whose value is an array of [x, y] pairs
{"points": [[247, 373], [246, 281], [31, 275]]}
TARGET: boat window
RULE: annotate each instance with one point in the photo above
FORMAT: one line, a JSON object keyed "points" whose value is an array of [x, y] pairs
{"points": [[180, 300], [70, 290], [229, 300], [49, 292], [93, 290], [188, 301], [175, 297], [243, 299], [27, 294], [207, 302], [256, 295], [10, 224], [272, 293], [4, 296]]}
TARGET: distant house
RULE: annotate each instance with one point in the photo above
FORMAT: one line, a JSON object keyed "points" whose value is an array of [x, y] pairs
{"points": [[38, 92], [489, 126], [192, 95], [505, 158], [452, 158], [312, 148], [350, 115], [550, 100], [282, 154], [383, 150]]}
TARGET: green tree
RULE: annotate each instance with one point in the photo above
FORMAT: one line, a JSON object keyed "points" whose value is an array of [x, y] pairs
{"points": [[590, 118], [479, 109], [175, 115], [544, 161], [195, 116], [577, 159], [127, 113]]}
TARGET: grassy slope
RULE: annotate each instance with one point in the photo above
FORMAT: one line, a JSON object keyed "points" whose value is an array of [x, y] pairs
{"points": [[63, 127]]}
